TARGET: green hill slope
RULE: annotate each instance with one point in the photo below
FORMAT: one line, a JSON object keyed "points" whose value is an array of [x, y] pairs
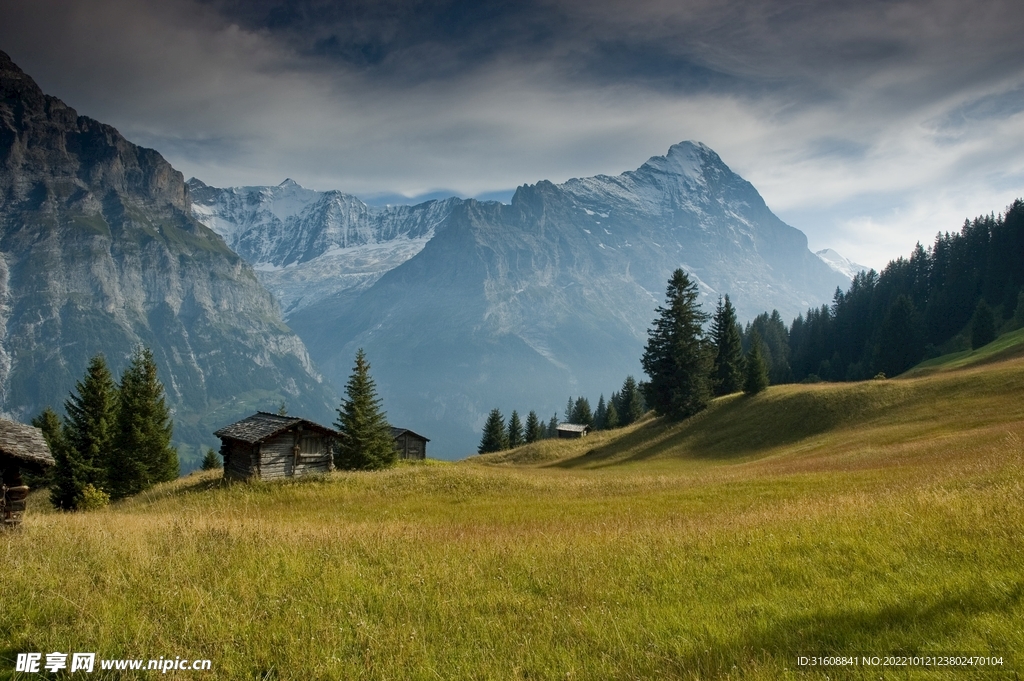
{"points": [[1007, 346], [825, 426], [877, 519]]}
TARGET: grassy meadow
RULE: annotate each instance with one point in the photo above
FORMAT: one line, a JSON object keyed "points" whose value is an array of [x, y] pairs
{"points": [[876, 518]]}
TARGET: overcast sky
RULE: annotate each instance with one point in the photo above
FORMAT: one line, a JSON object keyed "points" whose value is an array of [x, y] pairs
{"points": [[867, 124]]}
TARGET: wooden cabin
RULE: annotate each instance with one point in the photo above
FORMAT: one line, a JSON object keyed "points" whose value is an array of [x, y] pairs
{"points": [[267, 446], [408, 444], [571, 431], [22, 448]]}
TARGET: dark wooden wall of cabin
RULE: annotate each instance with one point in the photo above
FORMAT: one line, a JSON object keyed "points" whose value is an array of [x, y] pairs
{"points": [[410, 447]]}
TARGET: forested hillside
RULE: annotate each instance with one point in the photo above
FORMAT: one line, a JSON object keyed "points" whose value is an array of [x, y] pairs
{"points": [[954, 295]]}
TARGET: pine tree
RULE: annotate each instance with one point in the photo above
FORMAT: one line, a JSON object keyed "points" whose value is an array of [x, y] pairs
{"points": [[282, 409], [53, 432], [534, 428], [88, 436], [601, 414], [495, 437], [142, 454], [727, 374], [676, 357], [569, 406], [553, 426], [629, 403], [757, 371], [366, 442], [611, 419], [516, 437], [983, 325], [211, 461], [581, 413]]}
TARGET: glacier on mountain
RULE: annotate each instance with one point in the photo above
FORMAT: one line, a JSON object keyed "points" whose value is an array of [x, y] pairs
{"points": [[306, 245]]}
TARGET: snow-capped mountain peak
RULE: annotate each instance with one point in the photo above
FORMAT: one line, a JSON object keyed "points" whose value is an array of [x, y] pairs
{"points": [[840, 264], [686, 159], [305, 244]]}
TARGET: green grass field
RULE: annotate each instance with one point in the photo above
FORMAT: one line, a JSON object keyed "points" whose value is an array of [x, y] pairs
{"points": [[869, 519]]}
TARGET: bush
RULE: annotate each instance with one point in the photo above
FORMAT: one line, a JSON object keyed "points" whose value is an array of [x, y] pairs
{"points": [[92, 498]]}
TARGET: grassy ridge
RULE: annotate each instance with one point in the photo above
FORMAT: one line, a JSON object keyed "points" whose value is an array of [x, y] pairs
{"points": [[882, 517], [1007, 346]]}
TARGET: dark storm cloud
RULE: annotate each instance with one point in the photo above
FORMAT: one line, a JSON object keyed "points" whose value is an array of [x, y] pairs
{"points": [[402, 40], [887, 115]]}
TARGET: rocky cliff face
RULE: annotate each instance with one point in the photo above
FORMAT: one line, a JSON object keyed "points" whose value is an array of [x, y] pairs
{"points": [[99, 251], [307, 245], [519, 306]]}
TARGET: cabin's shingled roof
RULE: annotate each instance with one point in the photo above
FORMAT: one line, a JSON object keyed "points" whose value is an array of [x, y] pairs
{"points": [[24, 443], [573, 427], [397, 432], [263, 425]]}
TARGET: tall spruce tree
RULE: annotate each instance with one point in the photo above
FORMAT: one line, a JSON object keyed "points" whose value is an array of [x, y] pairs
{"points": [[630, 403], [676, 357], [581, 413], [89, 436], [534, 428], [142, 454], [601, 414], [516, 436], [53, 432], [611, 418], [553, 426], [727, 374], [366, 442], [756, 368], [495, 437]]}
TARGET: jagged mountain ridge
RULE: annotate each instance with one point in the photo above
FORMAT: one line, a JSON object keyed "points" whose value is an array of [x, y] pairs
{"points": [[840, 264], [521, 305], [306, 245], [99, 251]]}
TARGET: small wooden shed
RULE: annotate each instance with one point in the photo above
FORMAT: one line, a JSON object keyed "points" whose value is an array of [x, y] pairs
{"points": [[570, 431], [408, 444], [267, 446], [21, 448]]}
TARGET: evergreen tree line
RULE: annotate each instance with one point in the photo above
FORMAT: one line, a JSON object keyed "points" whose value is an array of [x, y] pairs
{"points": [[956, 294], [688, 366], [624, 407], [115, 440]]}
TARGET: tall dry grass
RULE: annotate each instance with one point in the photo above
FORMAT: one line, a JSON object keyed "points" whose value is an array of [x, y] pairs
{"points": [[890, 522]]}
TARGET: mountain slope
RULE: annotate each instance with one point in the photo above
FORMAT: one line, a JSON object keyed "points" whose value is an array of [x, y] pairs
{"points": [[99, 251], [307, 245], [521, 305], [844, 266]]}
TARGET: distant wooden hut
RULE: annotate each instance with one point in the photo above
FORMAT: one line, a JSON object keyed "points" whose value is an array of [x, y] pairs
{"points": [[21, 448], [572, 431], [267, 446], [408, 444]]}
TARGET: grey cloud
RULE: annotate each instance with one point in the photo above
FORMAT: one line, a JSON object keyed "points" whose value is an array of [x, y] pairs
{"points": [[825, 106]]}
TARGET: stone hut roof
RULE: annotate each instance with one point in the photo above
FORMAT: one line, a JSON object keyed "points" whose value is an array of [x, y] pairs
{"points": [[573, 427], [24, 443], [263, 425], [398, 432]]}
